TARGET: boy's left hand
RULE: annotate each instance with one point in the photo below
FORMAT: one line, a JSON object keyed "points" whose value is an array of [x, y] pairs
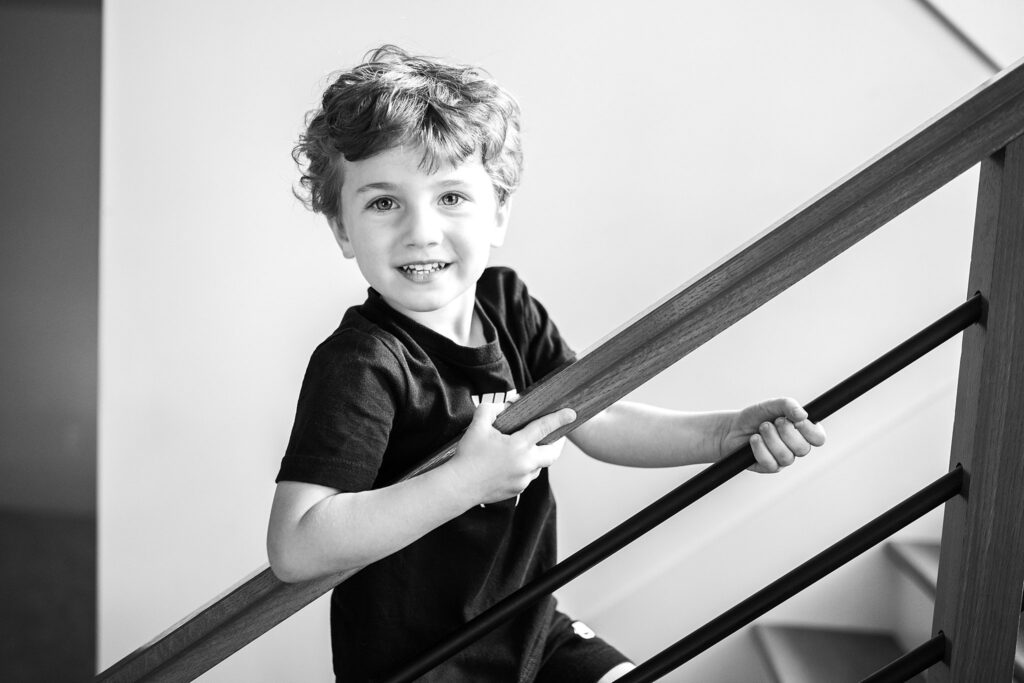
{"points": [[778, 432]]}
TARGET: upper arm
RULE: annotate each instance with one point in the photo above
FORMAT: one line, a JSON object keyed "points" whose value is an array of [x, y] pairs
{"points": [[292, 500], [547, 350]]}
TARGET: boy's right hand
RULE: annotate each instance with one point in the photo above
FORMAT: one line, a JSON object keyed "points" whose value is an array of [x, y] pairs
{"points": [[491, 466]]}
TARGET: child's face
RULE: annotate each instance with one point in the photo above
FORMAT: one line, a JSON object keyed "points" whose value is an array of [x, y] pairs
{"points": [[421, 240]]}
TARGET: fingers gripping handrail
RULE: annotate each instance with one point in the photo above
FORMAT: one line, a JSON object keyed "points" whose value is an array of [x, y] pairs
{"points": [[689, 492], [938, 151]]}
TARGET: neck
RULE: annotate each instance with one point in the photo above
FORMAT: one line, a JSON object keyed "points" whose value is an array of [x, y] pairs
{"points": [[456, 321]]}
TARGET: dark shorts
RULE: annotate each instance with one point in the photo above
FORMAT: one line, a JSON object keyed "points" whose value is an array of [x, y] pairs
{"points": [[573, 654]]}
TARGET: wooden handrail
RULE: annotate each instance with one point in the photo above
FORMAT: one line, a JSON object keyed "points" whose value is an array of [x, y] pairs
{"points": [[963, 135], [693, 489]]}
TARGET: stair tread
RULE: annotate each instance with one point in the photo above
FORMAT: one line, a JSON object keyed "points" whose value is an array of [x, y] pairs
{"points": [[801, 654], [920, 560]]}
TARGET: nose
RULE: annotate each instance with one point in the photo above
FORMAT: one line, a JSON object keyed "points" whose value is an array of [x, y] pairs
{"points": [[423, 228]]}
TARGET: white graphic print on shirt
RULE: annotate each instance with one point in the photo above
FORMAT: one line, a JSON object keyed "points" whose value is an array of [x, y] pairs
{"points": [[497, 397]]}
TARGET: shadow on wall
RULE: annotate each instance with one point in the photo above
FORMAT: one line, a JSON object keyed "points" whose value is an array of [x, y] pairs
{"points": [[48, 589], [49, 191]]}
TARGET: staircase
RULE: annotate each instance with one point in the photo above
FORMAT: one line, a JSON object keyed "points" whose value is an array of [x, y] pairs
{"points": [[803, 654], [977, 586], [799, 654]]}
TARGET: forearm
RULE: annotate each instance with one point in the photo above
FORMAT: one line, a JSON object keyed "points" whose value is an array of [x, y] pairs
{"points": [[351, 530], [640, 435], [316, 530]]}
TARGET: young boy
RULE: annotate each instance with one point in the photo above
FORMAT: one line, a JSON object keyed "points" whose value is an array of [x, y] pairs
{"points": [[413, 162]]}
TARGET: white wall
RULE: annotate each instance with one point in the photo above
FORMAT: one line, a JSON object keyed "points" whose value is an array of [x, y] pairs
{"points": [[995, 26], [659, 137]]}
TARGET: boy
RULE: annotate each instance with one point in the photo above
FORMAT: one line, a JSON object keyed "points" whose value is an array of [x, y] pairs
{"points": [[413, 162]]}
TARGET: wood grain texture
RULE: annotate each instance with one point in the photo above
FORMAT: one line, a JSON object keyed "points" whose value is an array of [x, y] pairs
{"points": [[981, 571], [216, 631], [960, 137], [920, 561]]}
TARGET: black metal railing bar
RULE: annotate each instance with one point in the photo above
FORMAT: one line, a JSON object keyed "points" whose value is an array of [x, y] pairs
{"points": [[819, 566], [692, 490], [919, 659]]}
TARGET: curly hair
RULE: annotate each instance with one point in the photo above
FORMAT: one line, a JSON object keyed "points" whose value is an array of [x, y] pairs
{"points": [[394, 99]]}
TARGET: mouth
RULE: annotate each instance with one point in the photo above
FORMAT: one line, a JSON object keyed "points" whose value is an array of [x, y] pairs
{"points": [[423, 270]]}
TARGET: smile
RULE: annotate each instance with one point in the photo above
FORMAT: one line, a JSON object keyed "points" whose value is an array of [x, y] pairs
{"points": [[422, 271]]}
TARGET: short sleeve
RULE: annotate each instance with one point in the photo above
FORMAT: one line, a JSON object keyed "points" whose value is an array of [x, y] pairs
{"points": [[345, 413], [546, 350]]}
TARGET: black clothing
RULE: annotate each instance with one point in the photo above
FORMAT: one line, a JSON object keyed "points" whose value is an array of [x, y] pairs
{"points": [[382, 394], [575, 654]]}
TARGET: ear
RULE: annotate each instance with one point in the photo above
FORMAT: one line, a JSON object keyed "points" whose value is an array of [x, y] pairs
{"points": [[341, 237], [501, 215]]}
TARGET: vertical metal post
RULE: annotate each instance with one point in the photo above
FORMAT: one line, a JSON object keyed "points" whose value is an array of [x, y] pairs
{"points": [[981, 567]]}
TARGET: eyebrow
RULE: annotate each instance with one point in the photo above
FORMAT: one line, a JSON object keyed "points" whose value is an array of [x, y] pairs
{"points": [[377, 186], [391, 187]]}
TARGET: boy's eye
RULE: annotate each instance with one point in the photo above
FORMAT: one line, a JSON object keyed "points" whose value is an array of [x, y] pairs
{"points": [[383, 204], [451, 199]]}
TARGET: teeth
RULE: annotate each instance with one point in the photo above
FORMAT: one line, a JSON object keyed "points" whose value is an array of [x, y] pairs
{"points": [[423, 267]]}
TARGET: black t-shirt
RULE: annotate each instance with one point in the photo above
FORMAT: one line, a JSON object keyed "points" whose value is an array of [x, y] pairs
{"points": [[382, 394]]}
